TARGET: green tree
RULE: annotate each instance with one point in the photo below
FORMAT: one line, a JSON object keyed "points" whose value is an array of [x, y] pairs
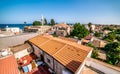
{"points": [[90, 27], [113, 53], [94, 52], [110, 37], [117, 31], [45, 22], [52, 22], [79, 30], [37, 23], [97, 34], [25, 23], [118, 38], [107, 28]]}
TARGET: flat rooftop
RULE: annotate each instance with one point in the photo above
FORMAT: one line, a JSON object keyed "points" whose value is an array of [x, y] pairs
{"points": [[20, 47]]}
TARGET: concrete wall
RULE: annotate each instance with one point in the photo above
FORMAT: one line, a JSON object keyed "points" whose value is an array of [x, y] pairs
{"points": [[21, 53], [37, 51], [15, 40], [102, 67], [61, 33], [48, 57], [68, 30], [58, 67]]}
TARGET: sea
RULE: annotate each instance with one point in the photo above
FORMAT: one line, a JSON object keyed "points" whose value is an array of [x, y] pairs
{"points": [[21, 26]]}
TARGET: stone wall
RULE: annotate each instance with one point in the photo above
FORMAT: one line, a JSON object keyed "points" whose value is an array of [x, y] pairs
{"points": [[58, 68], [49, 60], [37, 51]]}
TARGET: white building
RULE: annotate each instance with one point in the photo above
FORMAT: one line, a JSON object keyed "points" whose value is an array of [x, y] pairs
{"points": [[13, 29], [39, 29]]}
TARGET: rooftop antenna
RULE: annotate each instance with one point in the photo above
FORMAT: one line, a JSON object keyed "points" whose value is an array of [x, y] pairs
{"points": [[42, 20]]}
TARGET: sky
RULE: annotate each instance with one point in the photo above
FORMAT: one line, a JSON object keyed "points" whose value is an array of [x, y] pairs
{"points": [[69, 11]]}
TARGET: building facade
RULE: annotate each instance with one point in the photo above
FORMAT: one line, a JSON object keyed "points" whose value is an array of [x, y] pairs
{"points": [[61, 29], [39, 29]]}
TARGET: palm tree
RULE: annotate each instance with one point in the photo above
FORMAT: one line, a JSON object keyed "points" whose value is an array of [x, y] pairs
{"points": [[25, 23]]}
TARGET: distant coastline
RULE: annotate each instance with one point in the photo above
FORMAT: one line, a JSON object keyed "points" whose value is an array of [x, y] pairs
{"points": [[21, 26]]}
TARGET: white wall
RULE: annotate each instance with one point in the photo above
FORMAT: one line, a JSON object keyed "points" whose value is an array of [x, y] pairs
{"points": [[21, 54], [101, 67], [15, 29]]}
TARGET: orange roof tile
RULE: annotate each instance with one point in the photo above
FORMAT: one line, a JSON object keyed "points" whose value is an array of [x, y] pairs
{"points": [[52, 46], [38, 40], [8, 65], [71, 57], [88, 37], [29, 58], [63, 25], [69, 54]]}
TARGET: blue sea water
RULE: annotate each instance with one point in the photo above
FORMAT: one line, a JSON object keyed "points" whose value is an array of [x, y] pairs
{"points": [[21, 26]]}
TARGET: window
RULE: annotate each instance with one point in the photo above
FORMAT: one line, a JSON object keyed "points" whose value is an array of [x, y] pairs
{"points": [[29, 50], [48, 60], [61, 33]]}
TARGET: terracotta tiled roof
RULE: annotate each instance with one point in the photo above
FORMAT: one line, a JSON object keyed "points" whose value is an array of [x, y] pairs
{"points": [[69, 54], [71, 57], [28, 58], [63, 25], [89, 37], [85, 41], [52, 46], [8, 65], [38, 40]]}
